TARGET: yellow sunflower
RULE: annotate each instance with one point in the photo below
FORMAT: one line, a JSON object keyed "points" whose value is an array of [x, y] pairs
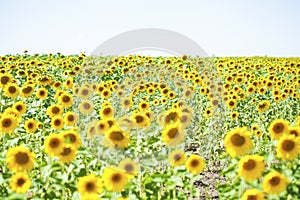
{"points": [[89, 184], [173, 134], [8, 123], [294, 130], [288, 147], [263, 106], [126, 102], [238, 142], [11, 90], [66, 100], [141, 120], [70, 118], [20, 183], [57, 122], [20, 159], [274, 183], [253, 194], [20, 106], [130, 167], [27, 90], [68, 154], [144, 106], [277, 128], [54, 110], [114, 179], [72, 137], [177, 158], [54, 144], [195, 164], [251, 167], [86, 107], [117, 137], [30, 125], [107, 112], [42, 93]]}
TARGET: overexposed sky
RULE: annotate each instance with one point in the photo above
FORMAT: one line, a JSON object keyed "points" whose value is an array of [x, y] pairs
{"points": [[221, 27]]}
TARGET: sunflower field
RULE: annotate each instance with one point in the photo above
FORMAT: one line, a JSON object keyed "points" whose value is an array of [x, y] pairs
{"points": [[141, 127]]}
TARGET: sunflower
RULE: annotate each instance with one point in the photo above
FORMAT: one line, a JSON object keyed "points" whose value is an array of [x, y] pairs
{"points": [[173, 134], [176, 158], [11, 90], [54, 110], [208, 112], [274, 183], [27, 90], [66, 100], [294, 130], [70, 118], [140, 120], [84, 92], [20, 183], [231, 104], [20, 159], [107, 112], [106, 93], [288, 147], [251, 167], [277, 128], [54, 144], [8, 123], [30, 125], [126, 102], [144, 106], [114, 179], [234, 115], [68, 154], [5, 79], [89, 184], [117, 137], [42, 93], [186, 119], [72, 137], [263, 106], [57, 122], [130, 167], [238, 142], [253, 194], [172, 116], [102, 126], [195, 164], [86, 107], [20, 106]]}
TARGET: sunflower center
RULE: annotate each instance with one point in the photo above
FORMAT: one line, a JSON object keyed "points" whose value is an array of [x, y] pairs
{"points": [[21, 158], [252, 197], [171, 116], [172, 132], [66, 151], [4, 80], [116, 136], [231, 103], [177, 157], [71, 137], [129, 167], [57, 122], [261, 106], [66, 99], [27, 90], [55, 110], [71, 118], [194, 163], [87, 106], [30, 125], [90, 186], [19, 107], [42, 93], [295, 133], [274, 181], [84, 92], [116, 178], [20, 182], [288, 145], [237, 140], [54, 143], [184, 119], [12, 89], [278, 128], [249, 165], [106, 111], [139, 119], [6, 123], [126, 102]]}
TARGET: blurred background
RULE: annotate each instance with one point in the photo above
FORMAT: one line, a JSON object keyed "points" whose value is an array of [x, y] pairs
{"points": [[222, 28]]}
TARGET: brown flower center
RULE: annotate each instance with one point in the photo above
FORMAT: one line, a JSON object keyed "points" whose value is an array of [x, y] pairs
{"points": [[66, 151], [71, 137], [116, 136], [129, 167], [194, 163], [237, 140], [6, 123], [278, 128], [54, 143], [139, 119], [90, 186], [87, 106], [251, 197], [20, 182], [116, 178], [71, 118], [249, 165], [172, 132], [55, 110], [66, 99], [288, 145], [12, 89], [274, 181], [21, 158]]}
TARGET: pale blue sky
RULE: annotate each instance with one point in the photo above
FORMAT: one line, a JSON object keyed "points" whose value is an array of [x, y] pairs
{"points": [[222, 28]]}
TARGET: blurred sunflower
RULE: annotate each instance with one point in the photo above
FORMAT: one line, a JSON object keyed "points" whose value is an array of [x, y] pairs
{"points": [[72, 137], [8, 123], [20, 159], [57, 122], [30, 125], [70, 118], [114, 179], [54, 110], [130, 167], [177, 158], [86, 107], [173, 134], [89, 184], [288, 147], [274, 183], [253, 194], [195, 164], [20, 183], [68, 154], [251, 167], [54, 144], [238, 142], [277, 128], [117, 137]]}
